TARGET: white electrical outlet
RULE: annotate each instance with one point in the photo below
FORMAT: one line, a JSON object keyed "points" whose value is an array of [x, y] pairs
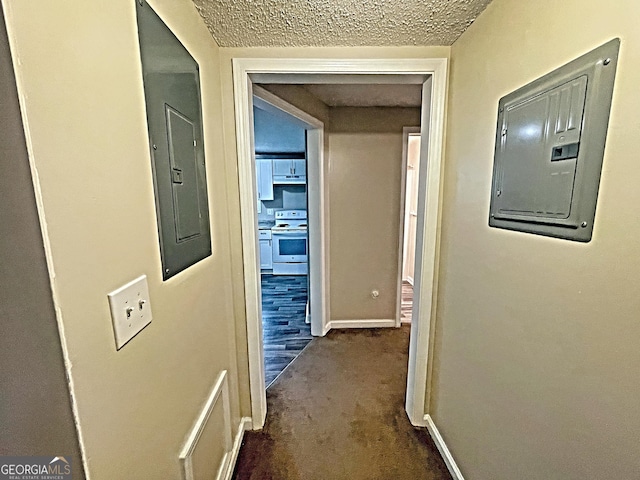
{"points": [[130, 310]]}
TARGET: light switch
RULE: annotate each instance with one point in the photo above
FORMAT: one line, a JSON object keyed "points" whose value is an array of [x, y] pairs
{"points": [[130, 310]]}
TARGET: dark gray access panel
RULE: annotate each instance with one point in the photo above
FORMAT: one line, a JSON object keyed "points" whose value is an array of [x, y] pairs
{"points": [[172, 93], [550, 143]]}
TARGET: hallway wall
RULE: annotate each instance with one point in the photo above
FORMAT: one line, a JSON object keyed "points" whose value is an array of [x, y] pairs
{"points": [[536, 362], [363, 150], [35, 415], [365, 154], [80, 79]]}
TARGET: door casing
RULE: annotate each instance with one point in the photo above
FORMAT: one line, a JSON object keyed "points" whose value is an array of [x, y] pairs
{"points": [[432, 73]]}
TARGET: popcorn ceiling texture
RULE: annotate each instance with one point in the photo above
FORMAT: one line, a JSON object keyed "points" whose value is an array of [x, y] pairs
{"points": [[319, 23]]}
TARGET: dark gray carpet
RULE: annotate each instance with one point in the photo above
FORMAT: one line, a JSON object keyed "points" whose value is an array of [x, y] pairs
{"points": [[338, 413]]}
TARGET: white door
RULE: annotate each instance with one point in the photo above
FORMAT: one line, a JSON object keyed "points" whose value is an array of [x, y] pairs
{"points": [[411, 208]]}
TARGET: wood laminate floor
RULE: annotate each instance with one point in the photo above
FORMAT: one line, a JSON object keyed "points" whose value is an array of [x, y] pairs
{"points": [[285, 333]]}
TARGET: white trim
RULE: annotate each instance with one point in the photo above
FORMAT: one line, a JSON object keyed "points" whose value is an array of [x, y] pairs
{"points": [[220, 390], [272, 69], [243, 102], [424, 295], [364, 323], [244, 425], [403, 202], [317, 194], [443, 449], [409, 280]]}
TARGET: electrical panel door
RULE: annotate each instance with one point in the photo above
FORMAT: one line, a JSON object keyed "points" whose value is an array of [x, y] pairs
{"points": [[172, 94], [550, 142], [535, 129]]}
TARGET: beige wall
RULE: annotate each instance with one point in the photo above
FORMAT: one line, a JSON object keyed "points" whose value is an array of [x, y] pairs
{"points": [[36, 415], [363, 152], [81, 79], [537, 339], [365, 169]]}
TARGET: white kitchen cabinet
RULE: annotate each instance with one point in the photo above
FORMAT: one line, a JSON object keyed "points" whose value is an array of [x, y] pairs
{"points": [[264, 177], [299, 167], [282, 167], [289, 171], [266, 253]]}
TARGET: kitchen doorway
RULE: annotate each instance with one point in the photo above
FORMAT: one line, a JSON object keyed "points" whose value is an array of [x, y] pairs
{"points": [[432, 75], [316, 272], [281, 181]]}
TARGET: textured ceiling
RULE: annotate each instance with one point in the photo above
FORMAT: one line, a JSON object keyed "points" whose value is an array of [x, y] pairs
{"points": [[271, 23], [355, 95]]}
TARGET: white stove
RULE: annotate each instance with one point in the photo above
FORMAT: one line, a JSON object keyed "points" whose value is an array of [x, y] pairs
{"points": [[290, 221], [290, 243]]}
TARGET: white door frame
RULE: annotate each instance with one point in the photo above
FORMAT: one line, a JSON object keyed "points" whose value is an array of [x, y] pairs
{"points": [[269, 70]]}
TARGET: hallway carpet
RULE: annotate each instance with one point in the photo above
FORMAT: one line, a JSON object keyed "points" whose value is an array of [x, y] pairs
{"points": [[337, 413]]}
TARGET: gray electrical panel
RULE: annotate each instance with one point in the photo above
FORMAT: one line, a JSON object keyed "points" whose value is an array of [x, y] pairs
{"points": [[550, 143], [172, 94]]}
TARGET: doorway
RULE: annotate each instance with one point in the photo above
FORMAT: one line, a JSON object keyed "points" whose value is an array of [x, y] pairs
{"points": [[408, 223], [282, 205], [431, 74]]}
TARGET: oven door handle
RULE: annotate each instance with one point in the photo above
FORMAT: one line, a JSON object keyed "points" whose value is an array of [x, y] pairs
{"points": [[300, 234]]}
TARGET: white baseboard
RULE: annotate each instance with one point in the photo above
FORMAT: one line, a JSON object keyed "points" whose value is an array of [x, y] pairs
{"points": [[375, 323], [409, 280], [444, 450], [245, 424]]}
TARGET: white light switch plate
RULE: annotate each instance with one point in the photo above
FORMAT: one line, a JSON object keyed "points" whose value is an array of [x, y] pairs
{"points": [[130, 310]]}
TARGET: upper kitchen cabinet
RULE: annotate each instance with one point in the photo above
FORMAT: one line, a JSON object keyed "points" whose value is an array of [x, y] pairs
{"points": [[289, 170], [300, 167], [264, 176]]}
